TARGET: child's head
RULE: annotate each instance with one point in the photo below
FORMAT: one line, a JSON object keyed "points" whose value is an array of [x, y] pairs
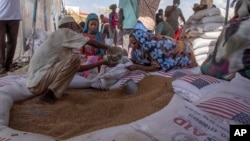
{"points": [[160, 11], [92, 23], [113, 7], [101, 16]]}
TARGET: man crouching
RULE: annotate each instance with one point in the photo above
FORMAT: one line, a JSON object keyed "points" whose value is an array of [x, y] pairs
{"points": [[54, 64]]}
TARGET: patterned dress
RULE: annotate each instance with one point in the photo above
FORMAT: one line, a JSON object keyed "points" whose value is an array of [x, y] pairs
{"points": [[167, 53]]}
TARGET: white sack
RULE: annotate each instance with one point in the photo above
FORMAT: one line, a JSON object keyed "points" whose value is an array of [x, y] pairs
{"points": [[213, 27], [192, 21], [8, 134], [194, 87], [239, 85], [233, 106], [201, 42], [6, 104], [211, 35], [192, 34], [200, 62], [136, 76], [108, 76], [196, 28], [208, 12], [79, 82], [201, 57], [213, 19], [205, 27], [39, 37], [203, 50], [177, 72], [179, 120], [105, 79], [15, 86]]}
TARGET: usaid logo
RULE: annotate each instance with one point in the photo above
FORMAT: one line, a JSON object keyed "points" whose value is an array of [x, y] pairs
{"points": [[239, 132]]}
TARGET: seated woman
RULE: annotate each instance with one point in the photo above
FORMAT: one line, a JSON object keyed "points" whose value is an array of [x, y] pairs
{"points": [[154, 52]]}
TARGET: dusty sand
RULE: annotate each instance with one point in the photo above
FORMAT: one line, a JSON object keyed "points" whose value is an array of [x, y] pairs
{"points": [[87, 110]]}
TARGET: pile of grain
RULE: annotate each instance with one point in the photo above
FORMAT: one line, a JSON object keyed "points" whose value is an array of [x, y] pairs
{"points": [[87, 110]]}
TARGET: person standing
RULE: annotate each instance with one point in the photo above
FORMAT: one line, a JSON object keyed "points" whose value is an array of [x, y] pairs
{"points": [[164, 28], [146, 13], [104, 26], [10, 16], [138, 14], [173, 13], [113, 21], [159, 16], [128, 20]]}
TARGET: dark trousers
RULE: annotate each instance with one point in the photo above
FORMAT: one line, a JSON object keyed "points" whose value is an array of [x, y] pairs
{"points": [[8, 29]]}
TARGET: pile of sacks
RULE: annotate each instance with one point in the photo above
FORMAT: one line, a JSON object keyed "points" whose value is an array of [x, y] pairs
{"points": [[202, 30]]}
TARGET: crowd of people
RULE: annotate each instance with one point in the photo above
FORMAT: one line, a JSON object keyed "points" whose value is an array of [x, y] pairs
{"points": [[151, 42]]}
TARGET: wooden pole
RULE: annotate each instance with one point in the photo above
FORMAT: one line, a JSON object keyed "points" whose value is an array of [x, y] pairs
{"points": [[45, 16], [34, 27], [227, 11]]}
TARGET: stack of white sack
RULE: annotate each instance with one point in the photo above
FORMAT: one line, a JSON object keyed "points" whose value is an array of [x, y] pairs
{"points": [[202, 30]]}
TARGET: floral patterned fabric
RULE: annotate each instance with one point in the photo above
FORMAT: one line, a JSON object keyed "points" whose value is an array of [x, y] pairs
{"points": [[166, 52]]}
